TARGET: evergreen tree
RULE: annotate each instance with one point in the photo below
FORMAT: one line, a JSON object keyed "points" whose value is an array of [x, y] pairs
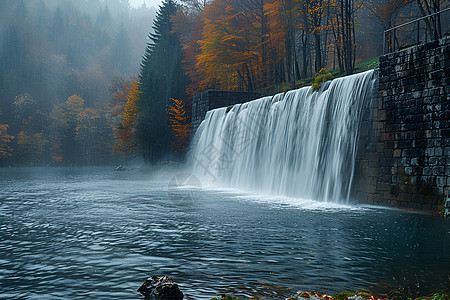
{"points": [[121, 50], [161, 78]]}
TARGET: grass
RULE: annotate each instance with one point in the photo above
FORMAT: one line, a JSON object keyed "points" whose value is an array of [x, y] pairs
{"points": [[366, 65], [363, 66]]}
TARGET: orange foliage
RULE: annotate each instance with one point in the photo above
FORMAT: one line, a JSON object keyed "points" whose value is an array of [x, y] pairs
{"points": [[5, 139], [238, 46], [178, 124], [253, 45], [120, 89], [191, 51], [73, 106], [125, 138]]}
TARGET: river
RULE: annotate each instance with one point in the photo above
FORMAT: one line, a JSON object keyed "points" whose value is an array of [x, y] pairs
{"points": [[92, 233]]}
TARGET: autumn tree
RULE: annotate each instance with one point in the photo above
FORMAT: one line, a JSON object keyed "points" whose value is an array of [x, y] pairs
{"points": [[179, 124], [129, 110], [29, 125], [187, 24], [240, 44], [94, 133], [119, 89], [31, 147], [5, 140]]}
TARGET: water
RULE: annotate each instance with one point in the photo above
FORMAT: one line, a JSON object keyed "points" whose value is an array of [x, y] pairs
{"points": [[89, 233], [300, 144]]}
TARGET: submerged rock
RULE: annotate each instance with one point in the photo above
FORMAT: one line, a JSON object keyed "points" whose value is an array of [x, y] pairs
{"points": [[160, 289]]}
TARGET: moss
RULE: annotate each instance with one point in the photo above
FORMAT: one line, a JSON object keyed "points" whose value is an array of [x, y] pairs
{"points": [[440, 296], [342, 296], [320, 78], [406, 179]]}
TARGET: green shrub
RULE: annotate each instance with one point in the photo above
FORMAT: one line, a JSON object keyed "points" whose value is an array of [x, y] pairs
{"points": [[321, 77]]}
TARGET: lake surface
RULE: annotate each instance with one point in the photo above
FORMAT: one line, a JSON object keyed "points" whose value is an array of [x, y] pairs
{"points": [[92, 233]]}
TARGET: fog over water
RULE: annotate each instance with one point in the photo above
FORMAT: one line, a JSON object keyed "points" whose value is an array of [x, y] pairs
{"points": [[94, 233], [62, 65]]}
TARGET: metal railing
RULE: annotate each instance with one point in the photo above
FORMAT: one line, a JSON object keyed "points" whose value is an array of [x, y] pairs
{"points": [[432, 31]]}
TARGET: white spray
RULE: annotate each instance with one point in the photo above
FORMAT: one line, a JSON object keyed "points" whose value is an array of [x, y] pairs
{"points": [[301, 143]]}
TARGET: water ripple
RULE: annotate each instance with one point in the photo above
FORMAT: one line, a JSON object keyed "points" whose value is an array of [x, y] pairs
{"points": [[95, 234]]}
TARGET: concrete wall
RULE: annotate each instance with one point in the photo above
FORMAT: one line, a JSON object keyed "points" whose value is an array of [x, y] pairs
{"points": [[404, 158], [212, 99]]}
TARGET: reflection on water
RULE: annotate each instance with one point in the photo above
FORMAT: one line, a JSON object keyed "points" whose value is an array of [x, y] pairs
{"points": [[94, 233]]}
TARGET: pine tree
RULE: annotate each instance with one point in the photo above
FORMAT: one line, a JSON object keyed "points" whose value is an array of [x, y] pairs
{"points": [[161, 78], [121, 50]]}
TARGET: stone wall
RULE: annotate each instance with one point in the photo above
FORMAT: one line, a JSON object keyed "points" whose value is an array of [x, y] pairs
{"points": [[404, 159], [212, 99]]}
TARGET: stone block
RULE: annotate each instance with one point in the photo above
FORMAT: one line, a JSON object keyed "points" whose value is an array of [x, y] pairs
{"points": [[447, 150], [438, 171], [447, 171], [429, 152], [440, 182], [445, 133], [382, 187], [397, 153], [415, 161], [408, 170], [371, 188], [433, 161]]}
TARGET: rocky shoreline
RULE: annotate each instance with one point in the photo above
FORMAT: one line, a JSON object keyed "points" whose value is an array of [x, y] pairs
{"points": [[163, 288]]}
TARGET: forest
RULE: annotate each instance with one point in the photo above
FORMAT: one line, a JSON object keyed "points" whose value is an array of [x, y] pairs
{"points": [[81, 84]]}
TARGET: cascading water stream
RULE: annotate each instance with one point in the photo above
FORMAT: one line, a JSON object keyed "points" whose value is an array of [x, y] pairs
{"points": [[301, 143]]}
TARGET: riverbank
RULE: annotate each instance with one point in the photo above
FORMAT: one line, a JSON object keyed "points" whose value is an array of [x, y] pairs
{"points": [[164, 288], [399, 294]]}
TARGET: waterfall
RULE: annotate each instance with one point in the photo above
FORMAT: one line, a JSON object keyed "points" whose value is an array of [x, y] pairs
{"points": [[301, 143]]}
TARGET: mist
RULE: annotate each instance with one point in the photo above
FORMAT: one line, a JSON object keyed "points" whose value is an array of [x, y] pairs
{"points": [[58, 63]]}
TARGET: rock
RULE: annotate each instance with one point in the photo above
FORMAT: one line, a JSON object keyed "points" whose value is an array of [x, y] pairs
{"points": [[160, 289], [120, 168]]}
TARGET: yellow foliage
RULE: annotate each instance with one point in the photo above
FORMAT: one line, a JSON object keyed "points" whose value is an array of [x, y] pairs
{"points": [[23, 100], [178, 123], [131, 109], [125, 138], [321, 77], [5, 139]]}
